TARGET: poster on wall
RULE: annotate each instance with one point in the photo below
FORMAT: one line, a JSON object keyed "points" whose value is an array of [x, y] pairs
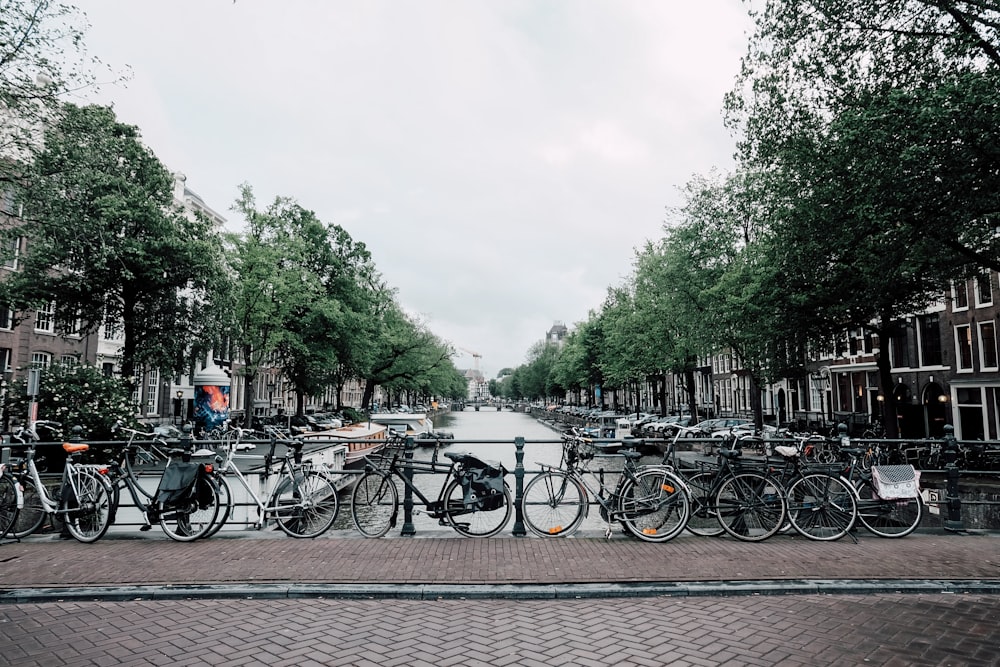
{"points": [[211, 406]]}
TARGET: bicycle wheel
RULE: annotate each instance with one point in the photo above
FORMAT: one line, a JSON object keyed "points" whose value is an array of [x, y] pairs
{"points": [[88, 515], [307, 506], [8, 504], [821, 507], [374, 504], [225, 504], [704, 519], [751, 506], [888, 518], [654, 506], [194, 519], [475, 522], [32, 515], [553, 504]]}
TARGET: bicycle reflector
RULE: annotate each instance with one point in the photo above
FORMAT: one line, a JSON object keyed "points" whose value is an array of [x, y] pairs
{"points": [[668, 488], [649, 531], [555, 531], [208, 467]]}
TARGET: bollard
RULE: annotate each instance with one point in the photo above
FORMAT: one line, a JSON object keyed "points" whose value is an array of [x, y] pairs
{"points": [[953, 500], [185, 443], [408, 529], [519, 530]]}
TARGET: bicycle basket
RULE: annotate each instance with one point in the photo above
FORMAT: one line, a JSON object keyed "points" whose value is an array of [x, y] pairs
{"points": [[893, 482]]}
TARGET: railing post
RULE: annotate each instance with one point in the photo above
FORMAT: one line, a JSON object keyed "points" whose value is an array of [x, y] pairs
{"points": [[953, 500], [519, 530], [408, 529]]}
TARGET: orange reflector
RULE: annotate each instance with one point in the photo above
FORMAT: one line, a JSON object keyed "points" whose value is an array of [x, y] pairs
{"points": [[667, 488], [553, 531], [649, 531]]}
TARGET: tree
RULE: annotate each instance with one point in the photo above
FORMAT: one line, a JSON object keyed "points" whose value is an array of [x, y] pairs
{"points": [[107, 244], [42, 57]]}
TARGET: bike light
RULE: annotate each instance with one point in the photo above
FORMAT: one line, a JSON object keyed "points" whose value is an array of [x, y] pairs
{"points": [[208, 467]]}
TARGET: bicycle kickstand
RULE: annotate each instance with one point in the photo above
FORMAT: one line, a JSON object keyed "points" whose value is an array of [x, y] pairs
{"points": [[607, 530]]}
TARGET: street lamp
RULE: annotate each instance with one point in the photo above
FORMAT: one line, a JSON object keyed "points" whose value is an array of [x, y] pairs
{"points": [[270, 399], [177, 406]]}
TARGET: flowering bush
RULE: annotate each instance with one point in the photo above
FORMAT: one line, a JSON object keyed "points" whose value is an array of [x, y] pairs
{"points": [[74, 396]]}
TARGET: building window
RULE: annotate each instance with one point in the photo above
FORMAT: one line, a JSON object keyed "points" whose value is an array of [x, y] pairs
{"points": [[984, 290], [6, 355], [69, 360], [988, 345], [963, 347], [6, 318], [900, 347], [12, 256], [930, 340], [960, 296], [41, 359], [45, 318], [152, 392]]}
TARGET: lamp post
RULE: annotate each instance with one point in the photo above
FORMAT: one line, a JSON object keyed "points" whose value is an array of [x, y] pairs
{"points": [[270, 399], [178, 403]]}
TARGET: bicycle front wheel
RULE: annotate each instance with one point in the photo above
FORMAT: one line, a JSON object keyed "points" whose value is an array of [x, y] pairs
{"points": [[654, 506], [196, 518], [471, 522], [8, 504], [751, 506], [225, 504], [32, 514], [821, 507], [88, 515], [704, 519], [888, 518], [307, 505], [374, 504], [553, 504]]}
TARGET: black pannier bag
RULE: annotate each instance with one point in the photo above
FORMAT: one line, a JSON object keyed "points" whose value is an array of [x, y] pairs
{"points": [[179, 487], [482, 484]]}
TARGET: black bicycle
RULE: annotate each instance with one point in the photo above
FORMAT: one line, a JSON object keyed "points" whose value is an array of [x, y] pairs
{"points": [[473, 499]]}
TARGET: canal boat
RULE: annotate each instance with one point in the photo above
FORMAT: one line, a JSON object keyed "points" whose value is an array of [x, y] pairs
{"points": [[404, 423], [362, 439]]}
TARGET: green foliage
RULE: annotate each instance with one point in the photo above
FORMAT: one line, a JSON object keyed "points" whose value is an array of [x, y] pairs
{"points": [[75, 396]]}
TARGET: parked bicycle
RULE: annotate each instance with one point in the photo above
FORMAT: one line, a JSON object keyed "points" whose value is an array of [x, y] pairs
{"points": [[186, 501], [83, 501], [821, 504], [651, 502], [727, 498], [473, 498], [303, 502], [891, 518]]}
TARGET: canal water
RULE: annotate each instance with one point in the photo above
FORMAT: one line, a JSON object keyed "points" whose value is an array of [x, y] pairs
{"points": [[490, 435]]}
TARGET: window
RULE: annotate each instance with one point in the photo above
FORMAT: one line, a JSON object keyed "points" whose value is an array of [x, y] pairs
{"points": [[152, 391], [929, 330], [960, 296], [984, 290], [69, 360], [12, 254], [6, 318], [6, 355], [45, 318], [963, 347], [988, 345], [41, 359], [900, 347]]}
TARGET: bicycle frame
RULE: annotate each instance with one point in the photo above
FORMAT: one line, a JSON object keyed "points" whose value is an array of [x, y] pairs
{"points": [[435, 508]]}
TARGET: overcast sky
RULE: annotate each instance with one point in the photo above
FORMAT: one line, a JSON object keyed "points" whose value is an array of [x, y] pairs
{"points": [[501, 159]]}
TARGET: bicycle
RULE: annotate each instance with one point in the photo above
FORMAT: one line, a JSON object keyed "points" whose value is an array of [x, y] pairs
{"points": [[885, 518], [304, 500], [196, 508], [469, 512], [651, 502], [85, 497], [11, 499], [32, 514], [821, 505], [725, 498]]}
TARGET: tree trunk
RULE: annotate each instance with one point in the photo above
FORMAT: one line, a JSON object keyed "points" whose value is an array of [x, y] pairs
{"points": [[692, 399]]}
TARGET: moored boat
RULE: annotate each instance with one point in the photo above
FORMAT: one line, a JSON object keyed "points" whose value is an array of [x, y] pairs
{"points": [[362, 439]]}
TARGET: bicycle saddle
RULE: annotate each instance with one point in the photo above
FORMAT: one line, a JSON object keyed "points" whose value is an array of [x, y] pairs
{"points": [[730, 453], [76, 448]]}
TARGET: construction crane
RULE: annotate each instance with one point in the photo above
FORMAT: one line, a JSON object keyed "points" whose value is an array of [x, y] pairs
{"points": [[475, 356]]}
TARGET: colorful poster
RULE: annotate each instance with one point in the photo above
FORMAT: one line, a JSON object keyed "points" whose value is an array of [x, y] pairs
{"points": [[211, 406]]}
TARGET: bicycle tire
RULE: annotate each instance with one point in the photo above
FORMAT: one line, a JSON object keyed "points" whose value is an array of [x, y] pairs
{"points": [[374, 504], [553, 504], [90, 517], [704, 515], [225, 505], [308, 506], [475, 523], [888, 518], [32, 515], [821, 507], [8, 504], [751, 506], [192, 521], [654, 506]]}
